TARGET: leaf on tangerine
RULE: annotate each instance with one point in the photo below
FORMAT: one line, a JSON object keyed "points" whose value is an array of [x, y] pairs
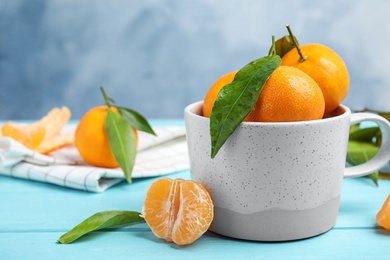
{"points": [[284, 45], [235, 100], [136, 120], [122, 142]]}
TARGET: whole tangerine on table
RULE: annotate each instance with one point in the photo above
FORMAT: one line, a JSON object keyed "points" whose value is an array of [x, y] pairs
{"points": [[178, 211], [288, 95], [326, 67], [91, 139]]}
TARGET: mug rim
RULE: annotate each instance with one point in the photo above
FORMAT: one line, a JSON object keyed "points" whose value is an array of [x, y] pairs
{"points": [[189, 111]]}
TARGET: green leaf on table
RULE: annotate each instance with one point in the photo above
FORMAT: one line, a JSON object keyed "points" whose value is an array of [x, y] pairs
{"points": [[136, 120], [361, 152], [374, 177], [236, 100], [284, 45], [122, 142], [354, 128], [364, 134], [98, 221]]}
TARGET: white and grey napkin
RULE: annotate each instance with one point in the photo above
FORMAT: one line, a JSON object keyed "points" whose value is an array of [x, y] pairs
{"points": [[157, 155]]}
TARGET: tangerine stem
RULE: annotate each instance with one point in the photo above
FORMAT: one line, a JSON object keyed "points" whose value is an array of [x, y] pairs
{"points": [[302, 57], [107, 99], [273, 52]]}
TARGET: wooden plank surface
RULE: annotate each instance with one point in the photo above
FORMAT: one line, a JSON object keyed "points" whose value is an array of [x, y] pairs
{"points": [[34, 215]]}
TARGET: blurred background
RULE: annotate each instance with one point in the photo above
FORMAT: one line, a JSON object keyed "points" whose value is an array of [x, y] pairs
{"points": [[157, 56]]}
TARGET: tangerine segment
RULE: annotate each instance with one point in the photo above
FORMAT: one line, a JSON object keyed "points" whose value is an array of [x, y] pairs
{"points": [[383, 216], [161, 206], [195, 213], [178, 211], [28, 135]]}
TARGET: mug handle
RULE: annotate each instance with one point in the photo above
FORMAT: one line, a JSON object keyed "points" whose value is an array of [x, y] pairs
{"points": [[382, 156]]}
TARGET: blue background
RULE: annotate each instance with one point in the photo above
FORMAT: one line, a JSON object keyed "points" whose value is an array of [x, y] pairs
{"points": [[158, 56]]}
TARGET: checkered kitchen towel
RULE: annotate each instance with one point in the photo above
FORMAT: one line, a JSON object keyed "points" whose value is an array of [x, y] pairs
{"points": [[157, 155]]}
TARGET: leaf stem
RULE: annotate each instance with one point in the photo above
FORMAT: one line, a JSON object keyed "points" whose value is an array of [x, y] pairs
{"points": [[302, 57], [273, 51], [107, 99]]}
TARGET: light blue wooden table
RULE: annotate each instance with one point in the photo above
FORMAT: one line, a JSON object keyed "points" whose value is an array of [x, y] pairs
{"points": [[34, 215]]}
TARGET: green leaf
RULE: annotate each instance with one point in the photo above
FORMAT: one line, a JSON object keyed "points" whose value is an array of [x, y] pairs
{"points": [[364, 134], [136, 120], [122, 142], [354, 128], [284, 45], [361, 152], [374, 177], [98, 221], [236, 100]]}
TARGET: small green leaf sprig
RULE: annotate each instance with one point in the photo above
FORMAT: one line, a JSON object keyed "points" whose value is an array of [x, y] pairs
{"points": [[121, 135]]}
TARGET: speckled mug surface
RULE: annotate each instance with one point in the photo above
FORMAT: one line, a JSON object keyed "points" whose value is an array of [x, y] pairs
{"points": [[278, 181]]}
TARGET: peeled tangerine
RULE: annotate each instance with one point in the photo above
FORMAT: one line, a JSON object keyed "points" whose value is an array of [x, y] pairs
{"points": [[178, 211], [383, 216], [43, 135]]}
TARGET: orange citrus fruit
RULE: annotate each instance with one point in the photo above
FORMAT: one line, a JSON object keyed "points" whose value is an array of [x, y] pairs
{"points": [[326, 67], [91, 139], [178, 211], [43, 135], [288, 95], [383, 216], [212, 94]]}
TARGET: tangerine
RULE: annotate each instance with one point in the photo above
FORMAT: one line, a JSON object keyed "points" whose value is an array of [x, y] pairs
{"points": [[91, 139], [212, 93], [383, 216], [288, 95], [178, 211], [326, 67]]}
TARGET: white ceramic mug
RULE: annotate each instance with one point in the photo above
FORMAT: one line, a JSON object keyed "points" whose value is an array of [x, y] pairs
{"points": [[278, 181]]}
